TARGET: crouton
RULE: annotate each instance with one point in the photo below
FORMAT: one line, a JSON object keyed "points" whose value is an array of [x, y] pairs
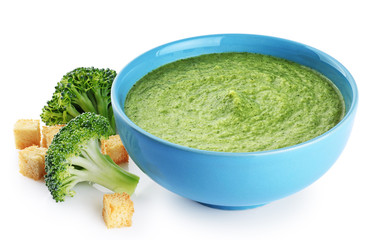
{"points": [[48, 133], [32, 162], [27, 133], [114, 148], [118, 210]]}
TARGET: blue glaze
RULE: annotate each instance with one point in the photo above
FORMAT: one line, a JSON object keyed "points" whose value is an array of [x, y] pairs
{"points": [[234, 180]]}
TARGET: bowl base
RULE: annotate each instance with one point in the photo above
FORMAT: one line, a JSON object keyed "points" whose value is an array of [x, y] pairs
{"points": [[231, 207]]}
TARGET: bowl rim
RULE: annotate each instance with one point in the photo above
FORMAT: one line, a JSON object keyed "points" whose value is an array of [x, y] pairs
{"points": [[120, 113]]}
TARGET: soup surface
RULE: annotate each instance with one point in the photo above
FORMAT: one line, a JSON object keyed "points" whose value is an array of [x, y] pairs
{"points": [[234, 102]]}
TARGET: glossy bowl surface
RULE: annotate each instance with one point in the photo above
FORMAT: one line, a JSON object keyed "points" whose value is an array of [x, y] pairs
{"points": [[234, 180]]}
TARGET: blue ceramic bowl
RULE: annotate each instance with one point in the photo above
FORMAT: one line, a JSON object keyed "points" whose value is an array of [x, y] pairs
{"points": [[233, 180]]}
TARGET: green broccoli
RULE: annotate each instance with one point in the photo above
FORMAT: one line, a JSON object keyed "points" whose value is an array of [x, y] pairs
{"points": [[81, 90], [75, 156]]}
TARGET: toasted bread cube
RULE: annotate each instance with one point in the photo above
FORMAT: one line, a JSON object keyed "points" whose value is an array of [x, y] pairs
{"points": [[27, 133], [48, 133], [114, 148], [118, 210], [32, 162]]}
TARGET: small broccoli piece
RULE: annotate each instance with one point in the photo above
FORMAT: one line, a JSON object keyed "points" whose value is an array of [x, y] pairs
{"points": [[81, 90], [75, 156]]}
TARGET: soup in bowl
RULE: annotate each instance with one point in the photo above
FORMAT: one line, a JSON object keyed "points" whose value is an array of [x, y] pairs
{"points": [[234, 121]]}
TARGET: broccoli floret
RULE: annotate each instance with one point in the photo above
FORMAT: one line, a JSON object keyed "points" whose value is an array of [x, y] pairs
{"points": [[81, 90], [75, 156]]}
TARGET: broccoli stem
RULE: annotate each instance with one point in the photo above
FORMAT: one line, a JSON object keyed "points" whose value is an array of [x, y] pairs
{"points": [[72, 111], [104, 108], [101, 103], [111, 118], [84, 102], [95, 167]]}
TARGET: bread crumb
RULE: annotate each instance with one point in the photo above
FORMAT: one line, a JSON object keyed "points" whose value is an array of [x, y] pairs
{"points": [[114, 148], [32, 162], [48, 133], [27, 133], [118, 210]]}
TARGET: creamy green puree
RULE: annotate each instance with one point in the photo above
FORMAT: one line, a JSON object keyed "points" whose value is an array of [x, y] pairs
{"points": [[234, 102]]}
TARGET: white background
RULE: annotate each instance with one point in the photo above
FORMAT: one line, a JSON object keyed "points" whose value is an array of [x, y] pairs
{"points": [[42, 40]]}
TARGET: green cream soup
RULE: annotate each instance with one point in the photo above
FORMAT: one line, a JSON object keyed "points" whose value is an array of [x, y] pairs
{"points": [[234, 102]]}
